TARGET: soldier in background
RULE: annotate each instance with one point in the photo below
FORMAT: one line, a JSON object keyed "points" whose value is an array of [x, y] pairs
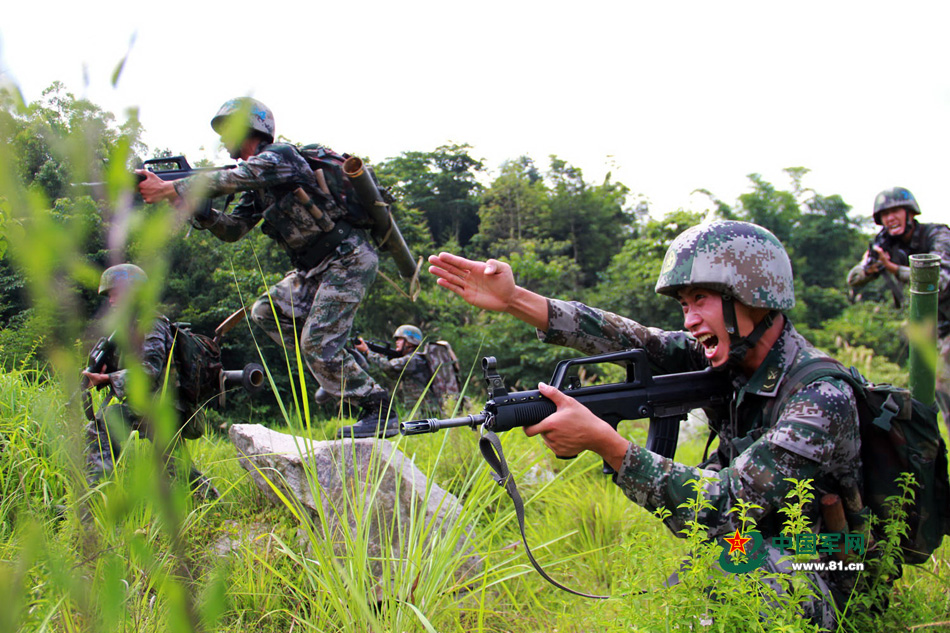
{"points": [[733, 281], [333, 268], [411, 368], [115, 421], [901, 235]]}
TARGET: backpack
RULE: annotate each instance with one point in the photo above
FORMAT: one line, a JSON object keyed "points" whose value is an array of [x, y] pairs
{"points": [[197, 359], [898, 434], [341, 189], [444, 365]]}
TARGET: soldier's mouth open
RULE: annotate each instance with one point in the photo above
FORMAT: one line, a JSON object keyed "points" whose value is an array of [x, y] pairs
{"points": [[710, 343]]}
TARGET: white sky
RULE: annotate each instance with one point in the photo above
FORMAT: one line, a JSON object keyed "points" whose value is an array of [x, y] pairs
{"points": [[670, 96]]}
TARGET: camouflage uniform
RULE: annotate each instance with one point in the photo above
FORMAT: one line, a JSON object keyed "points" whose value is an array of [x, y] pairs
{"points": [[926, 238], [321, 295], [412, 375], [115, 421], [815, 436]]}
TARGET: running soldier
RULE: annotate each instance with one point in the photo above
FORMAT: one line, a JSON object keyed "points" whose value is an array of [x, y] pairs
{"points": [[334, 262]]}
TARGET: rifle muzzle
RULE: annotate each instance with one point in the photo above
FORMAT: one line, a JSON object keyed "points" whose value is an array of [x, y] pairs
{"points": [[251, 377], [431, 425]]}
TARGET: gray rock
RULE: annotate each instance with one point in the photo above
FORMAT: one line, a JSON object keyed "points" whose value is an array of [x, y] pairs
{"points": [[356, 491]]}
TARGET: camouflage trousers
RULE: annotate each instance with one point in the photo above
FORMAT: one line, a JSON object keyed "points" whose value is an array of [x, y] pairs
{"points": [[943, 379], [111, 428], [320, 305]]}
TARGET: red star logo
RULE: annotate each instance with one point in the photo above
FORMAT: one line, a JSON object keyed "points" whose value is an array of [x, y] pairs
{"points": [[737, 542]]}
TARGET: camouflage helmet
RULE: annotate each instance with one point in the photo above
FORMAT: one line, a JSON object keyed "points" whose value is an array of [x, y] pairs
{"points": [[260, 118], [893, 198], [739, 259], [121, 275], [411, 333]]}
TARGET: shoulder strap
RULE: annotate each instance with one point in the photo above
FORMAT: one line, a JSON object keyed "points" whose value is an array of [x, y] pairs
{"points": [[805, 373], [490, 446]]}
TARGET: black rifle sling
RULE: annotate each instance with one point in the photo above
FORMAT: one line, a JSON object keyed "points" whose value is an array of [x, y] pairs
{"points": [[490, 446]]}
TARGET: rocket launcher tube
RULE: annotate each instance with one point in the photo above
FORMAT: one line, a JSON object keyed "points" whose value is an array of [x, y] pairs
{"points": [[385, 231]]}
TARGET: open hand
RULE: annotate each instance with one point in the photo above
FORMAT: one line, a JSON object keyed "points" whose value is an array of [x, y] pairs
{"points": [[488, 285]]}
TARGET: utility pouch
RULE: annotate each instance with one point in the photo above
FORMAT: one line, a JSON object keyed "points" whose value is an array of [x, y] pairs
{"points": [[313, 255]]}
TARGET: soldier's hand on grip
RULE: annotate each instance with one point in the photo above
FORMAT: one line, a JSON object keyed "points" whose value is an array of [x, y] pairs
{"points": [[573, 429]]}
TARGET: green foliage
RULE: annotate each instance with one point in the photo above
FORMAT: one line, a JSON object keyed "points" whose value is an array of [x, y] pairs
{"points": [[513, 208], [877, 326], [593, 219], [442, 184], [628, 287], [569, 225]]}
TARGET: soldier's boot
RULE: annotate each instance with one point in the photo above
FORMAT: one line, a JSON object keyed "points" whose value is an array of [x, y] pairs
{"points": [[201, 486], [332, 404], [376, 419]]}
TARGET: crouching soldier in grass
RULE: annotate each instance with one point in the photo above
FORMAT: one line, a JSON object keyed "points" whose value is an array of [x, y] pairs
{"points": [[115, 421], [423, 371], [733, 281]]}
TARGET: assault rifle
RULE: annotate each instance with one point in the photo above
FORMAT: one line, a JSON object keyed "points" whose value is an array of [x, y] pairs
{"points": [[103, 359], [665, 399], [170, 168], [376, 346], [176, 168], [898, 256]]}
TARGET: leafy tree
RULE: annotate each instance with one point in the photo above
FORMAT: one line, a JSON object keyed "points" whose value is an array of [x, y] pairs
{"points": [[630, 280], [442, 184], [61, 139], [776, 210], [821, 238], [49, 144], [593, 219], [513, 208]]}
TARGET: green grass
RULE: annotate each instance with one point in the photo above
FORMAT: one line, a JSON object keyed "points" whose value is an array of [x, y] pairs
{"points": [[243, 564]]}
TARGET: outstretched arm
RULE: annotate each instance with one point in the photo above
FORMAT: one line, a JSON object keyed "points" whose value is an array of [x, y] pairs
{"points": [[489, 285]]}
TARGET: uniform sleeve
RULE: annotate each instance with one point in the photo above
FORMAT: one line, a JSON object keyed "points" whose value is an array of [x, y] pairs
{"points": [[814, 436], [154, 358], [593, 331], [939, 244], [392, 367], [267, 169], [230, 227], [858, 276]]}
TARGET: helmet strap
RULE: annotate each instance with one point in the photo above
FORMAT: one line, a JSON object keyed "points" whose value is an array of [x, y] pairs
{"points": [[739, 346]]}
